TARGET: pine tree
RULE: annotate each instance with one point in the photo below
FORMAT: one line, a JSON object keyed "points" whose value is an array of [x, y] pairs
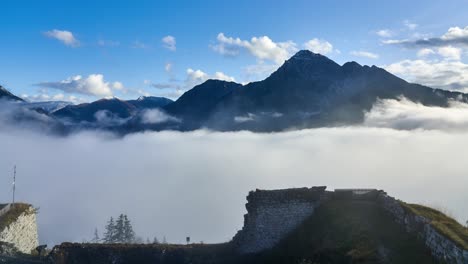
{"points": [[109, 235], [120, 229], [96, 238], [164, 240], [129, 234]]}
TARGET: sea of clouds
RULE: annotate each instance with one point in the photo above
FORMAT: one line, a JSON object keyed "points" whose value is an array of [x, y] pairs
{"points": [[177, 184]]}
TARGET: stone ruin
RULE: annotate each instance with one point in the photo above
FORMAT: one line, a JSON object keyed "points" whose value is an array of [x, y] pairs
{"points": [[273, 214]]}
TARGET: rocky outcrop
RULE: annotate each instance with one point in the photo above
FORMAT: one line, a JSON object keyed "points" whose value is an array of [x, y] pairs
{"points": [[271, 215], [22, 230], [441, 247]]}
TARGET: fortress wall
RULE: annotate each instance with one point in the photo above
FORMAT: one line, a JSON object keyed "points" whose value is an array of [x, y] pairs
{"points": [[441, 247], [271, 215]]}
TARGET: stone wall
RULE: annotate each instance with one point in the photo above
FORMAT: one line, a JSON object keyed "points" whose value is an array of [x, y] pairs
{"points": [[441, 247], [23, 232], [271, 215]]}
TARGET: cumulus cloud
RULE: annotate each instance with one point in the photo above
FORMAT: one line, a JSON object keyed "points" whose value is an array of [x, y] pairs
{"points": [[186, 184], [450, 52], [263, 48], [93, 85], [385, 33], [446, 74], [269, 54], [319, 46], [425, 52], [365, 54], [195, 77], [169, 42], [64, 36]]}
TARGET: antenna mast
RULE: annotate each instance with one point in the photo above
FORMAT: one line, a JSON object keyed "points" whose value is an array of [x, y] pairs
{"points": [[14, 181]]}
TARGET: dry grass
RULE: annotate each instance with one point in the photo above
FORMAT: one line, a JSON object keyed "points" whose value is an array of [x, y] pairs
{"points": [[16, 210], [446, 225]]}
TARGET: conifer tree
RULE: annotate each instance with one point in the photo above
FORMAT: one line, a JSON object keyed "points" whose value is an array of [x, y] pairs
{"points": [[109, 235], [128, 233], [120, 229]]}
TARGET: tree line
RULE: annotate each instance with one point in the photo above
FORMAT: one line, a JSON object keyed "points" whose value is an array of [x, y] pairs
{"points": [[120, 230]]}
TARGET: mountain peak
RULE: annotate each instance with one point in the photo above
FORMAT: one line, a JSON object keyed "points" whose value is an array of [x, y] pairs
{"points": [[307, 65], [305, 55]]}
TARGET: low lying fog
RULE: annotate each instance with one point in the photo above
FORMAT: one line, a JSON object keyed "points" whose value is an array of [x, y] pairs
{"points": [[194, 184]]}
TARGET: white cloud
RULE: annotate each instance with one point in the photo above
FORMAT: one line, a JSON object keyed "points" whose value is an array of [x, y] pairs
{"points": [[156, 116], [451, 75], [246, 118], [224, 77], [450, 52], [364, 54], [405, 114], [117, 86], [66, 37], [43, 95], [319, 46], [425, 52], [454, 33], [395, 41], [454, 36], [93, 85], [411, 26], [385, 33], [263, 48], [195, 77], [169, 42]]}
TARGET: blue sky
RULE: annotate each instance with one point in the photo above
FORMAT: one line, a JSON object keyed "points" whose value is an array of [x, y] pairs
{"points": [[85, 50]]}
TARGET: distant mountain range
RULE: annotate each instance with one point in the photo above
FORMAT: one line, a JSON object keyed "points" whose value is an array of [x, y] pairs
{"points": [[308, 90]]}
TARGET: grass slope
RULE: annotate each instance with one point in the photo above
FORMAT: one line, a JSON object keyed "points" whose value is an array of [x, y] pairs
{"points": [[446, 226]]}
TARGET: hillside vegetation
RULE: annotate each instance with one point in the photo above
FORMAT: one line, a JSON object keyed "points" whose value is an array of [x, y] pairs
{"points": [[447, 226]]}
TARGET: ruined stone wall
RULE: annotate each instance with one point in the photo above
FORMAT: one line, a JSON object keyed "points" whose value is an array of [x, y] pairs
{"points": [[271, 215], [23, 232], [441, 247]]}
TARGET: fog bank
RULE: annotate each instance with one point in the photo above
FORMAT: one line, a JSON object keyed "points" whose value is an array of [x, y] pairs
{"points": [[194, 184]]}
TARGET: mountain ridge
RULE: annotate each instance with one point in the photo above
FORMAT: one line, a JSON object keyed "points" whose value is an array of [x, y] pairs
{"points": [[309, 90]]}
